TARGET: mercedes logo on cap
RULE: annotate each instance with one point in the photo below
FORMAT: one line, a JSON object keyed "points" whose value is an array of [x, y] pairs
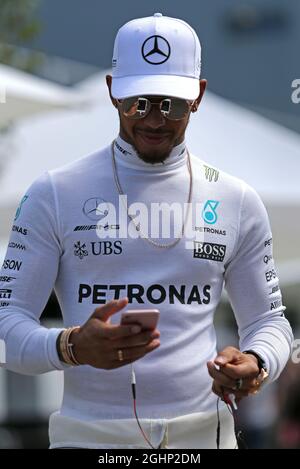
{"points": [[156, 50]]}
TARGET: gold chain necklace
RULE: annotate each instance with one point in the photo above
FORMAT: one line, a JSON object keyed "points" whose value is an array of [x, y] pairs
{"points": [[137, 226]]}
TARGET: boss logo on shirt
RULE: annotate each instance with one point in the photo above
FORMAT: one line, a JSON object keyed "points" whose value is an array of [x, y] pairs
{"points": [[209, 251]]}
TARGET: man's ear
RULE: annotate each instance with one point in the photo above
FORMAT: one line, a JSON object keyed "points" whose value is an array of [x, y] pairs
{"points": [[197, 102], [109, 82]]}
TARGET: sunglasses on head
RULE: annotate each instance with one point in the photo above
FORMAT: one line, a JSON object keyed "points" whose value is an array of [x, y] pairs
{"points": [[138, 107]]}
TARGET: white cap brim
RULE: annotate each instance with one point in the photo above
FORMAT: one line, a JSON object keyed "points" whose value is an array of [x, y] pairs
{"points": [[160, 85]]}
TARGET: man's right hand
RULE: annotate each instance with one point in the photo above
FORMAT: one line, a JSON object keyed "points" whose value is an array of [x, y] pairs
{"points": [[97, 342]]}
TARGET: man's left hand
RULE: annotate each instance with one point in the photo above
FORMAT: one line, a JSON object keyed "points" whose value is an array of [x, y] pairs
{"points": [[237, 373]]}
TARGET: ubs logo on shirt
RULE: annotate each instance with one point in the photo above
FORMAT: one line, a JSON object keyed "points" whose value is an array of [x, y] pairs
{"points": [[98, 248], [80, 250]]}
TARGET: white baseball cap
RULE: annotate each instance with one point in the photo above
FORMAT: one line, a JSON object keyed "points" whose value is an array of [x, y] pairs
{"points": [[157, 55]]}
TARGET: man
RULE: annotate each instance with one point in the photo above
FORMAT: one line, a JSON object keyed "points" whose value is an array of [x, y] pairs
{"points": [[68, 239]]}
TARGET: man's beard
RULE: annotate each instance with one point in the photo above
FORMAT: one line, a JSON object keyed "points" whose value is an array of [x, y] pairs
{"points": [[154, 157]]}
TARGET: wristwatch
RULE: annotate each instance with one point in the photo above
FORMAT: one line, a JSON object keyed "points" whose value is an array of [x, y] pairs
{"points": [[263, 371]]}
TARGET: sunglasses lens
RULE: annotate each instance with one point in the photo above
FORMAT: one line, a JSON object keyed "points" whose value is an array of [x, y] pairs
{"points": [[171, 108], [135, 108], [179, 108], [165, 107]]}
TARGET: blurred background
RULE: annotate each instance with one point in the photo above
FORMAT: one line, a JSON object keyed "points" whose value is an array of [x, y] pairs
{"points": [[54, 108]]}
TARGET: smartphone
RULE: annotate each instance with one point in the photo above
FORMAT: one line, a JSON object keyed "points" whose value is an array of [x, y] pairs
{"points": [[146, 318]]}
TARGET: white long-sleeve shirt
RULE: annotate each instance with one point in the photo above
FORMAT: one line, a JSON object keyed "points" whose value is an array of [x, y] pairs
{"points": [[54, 243]]}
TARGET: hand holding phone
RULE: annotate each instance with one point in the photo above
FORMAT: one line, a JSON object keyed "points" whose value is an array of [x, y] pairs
{"points": [[146, 318]]}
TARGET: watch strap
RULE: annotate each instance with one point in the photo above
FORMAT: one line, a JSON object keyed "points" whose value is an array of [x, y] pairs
{"points": [[260, 361]]}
